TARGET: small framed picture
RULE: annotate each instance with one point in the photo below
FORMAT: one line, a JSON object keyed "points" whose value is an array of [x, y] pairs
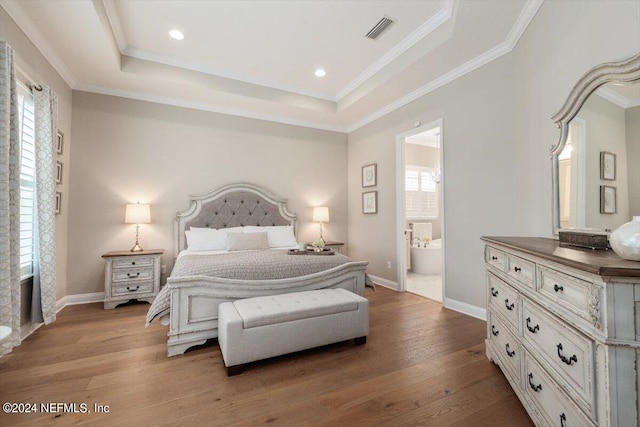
{"points": [[607, 166], [608, 199], [369, 175], [58, 202], [58, 172], [370, 202], [59, 143]]}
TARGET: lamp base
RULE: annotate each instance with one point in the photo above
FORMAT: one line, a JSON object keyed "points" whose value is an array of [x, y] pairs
{"points": [[136, 248]]}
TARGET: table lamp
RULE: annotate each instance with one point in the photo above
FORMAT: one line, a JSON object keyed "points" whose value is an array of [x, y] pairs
{"points": [[320, 215], [137, 213]]}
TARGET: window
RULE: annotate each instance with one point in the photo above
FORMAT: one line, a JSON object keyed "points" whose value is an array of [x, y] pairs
{"points": [[421, 193], [27, 179]]}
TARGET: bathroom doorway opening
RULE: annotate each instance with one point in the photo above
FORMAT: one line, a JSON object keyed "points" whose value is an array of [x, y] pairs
{"points": [[420, 220]]}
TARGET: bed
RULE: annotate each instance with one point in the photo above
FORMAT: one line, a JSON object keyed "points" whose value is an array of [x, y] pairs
{"points": [[201, 280]]}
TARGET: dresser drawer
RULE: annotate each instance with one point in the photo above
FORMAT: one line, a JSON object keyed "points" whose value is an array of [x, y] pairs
{"points": [[137, 261], [506, 345], [504, 300], [132, 274], [549, 398], [132, 289], [565, 290], [522, 270], [496, 257], [567, 351]]}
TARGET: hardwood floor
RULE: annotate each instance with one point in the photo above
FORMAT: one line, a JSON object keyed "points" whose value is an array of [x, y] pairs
{"points": [[421, 365]]}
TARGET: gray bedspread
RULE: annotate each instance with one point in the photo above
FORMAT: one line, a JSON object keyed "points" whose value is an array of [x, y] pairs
{"points": [[244, 265]]}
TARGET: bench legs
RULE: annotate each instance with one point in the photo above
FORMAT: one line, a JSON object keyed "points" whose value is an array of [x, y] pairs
{"points": [[235, 370], [360, 340]]}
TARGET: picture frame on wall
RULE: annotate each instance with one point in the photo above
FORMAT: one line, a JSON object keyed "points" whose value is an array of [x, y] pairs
{"points": [[369, 175], [608, 202], [59, 143], [370, 202], [607, 166], [59, 167], [58, 207]]}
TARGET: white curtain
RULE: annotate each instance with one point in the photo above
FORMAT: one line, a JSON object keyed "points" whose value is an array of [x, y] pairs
{"points": [[9, 200], [44, 274]]}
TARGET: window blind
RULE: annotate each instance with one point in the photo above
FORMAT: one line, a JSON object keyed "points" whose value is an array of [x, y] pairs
{"points": [[421, 193], [26, 118]]}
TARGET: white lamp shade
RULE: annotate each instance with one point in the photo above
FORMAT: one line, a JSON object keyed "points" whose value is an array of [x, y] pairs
{"points": [[321, 214], [137, 213]]}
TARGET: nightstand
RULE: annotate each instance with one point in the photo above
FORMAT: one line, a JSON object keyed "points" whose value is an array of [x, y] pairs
{"points": [[336, 246], [131, 275]]}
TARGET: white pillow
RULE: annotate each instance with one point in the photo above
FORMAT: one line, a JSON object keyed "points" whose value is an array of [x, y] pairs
{"points": [[206, 239], [279, 236], [247, 242]]}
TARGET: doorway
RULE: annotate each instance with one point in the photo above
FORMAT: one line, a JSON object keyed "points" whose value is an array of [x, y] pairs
{"points": [[420, 219]]}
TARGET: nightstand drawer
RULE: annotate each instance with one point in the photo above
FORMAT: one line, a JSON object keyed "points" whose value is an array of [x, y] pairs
{"points": [[128, 262], [132, 274], [132, 289]]}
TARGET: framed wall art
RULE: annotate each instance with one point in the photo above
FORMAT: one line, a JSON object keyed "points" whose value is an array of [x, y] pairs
{"points": [[59, 143], [58, 202], [608, 199], [607, 166], [58, 172], [369, 175], [370, 202]]}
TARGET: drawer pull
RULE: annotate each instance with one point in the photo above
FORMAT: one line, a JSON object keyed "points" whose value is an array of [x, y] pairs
{"points": [[517, 269], [563, 418], [493, 331], [494, 258], [133, 277], [558, 288], [494, 292], [568, 361], [133, 263], [534, 329], [509, 306], [133, 290], [534, 387], [509, 353]]}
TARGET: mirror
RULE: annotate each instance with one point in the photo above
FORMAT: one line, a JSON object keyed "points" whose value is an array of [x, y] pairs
{"points": [[596, 163]]}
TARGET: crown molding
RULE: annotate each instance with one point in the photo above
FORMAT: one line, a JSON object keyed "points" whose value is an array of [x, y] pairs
{"points": [[176, 102], [40, 42], [424, 30], [114, 24]]}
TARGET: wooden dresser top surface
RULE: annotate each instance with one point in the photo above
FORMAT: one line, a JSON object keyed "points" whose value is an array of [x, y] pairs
{"points": [[600, 262]]}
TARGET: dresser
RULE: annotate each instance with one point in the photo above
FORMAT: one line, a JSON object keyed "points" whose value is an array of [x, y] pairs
{"points": [[563, 324], [131, 275]]}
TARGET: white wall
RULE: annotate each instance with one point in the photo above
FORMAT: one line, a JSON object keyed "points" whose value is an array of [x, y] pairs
{"points": [[633, 159], [129, 150], [497, 133]]}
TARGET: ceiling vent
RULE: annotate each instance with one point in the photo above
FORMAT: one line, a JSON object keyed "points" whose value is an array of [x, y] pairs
{"points": [[382, 25]]}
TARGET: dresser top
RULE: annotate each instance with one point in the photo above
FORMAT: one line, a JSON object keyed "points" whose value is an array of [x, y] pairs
{"points": [[602, 263]]}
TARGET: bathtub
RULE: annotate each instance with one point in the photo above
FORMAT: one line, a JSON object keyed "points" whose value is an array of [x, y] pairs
{"points": [[427, 260]]}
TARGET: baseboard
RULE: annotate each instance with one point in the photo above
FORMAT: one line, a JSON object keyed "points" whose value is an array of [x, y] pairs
{"points": [[464, 308], [27, 329], [384, 282], [79, 299]]}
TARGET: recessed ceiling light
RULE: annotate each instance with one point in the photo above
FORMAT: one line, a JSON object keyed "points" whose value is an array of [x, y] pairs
{"points": [[320, 72], [176, 34]]}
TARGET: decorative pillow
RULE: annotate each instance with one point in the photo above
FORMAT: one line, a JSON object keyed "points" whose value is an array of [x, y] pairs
{"points": [[206, 239], [247, 241], [279, 236]]}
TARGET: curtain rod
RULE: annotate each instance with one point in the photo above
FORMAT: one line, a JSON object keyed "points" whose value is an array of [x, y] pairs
{"points": [[32, 85]]}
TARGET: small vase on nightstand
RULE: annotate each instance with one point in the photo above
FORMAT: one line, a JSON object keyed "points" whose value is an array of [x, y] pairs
{"points": [[625, 240]]}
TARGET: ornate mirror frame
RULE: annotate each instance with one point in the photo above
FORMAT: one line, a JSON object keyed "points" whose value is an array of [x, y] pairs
{"points": [[626, 71]]}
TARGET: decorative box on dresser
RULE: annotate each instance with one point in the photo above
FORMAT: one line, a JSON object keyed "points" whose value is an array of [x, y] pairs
{"points": [[563, 324], [131, 275]]}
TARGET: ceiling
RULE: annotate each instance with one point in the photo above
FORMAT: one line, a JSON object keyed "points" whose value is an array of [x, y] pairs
{"points": [[257, 58]]}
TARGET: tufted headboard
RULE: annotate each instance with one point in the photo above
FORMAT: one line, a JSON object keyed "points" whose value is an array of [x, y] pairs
{"points": [[232, 205]]}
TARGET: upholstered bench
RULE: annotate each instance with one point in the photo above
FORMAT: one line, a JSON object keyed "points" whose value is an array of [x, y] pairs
{"points": [[258, 328]]}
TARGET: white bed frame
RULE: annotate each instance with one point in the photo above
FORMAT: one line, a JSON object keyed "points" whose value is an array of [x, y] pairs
{"points": [[193, 317]]}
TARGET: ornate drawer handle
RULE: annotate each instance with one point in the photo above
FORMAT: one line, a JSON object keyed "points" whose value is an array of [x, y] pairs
{"points": [[563, 418], [493, 331], [509, 306], [133, 290], [509, 353], [558, 288], [534, 329], [133, 277], [133, 263], [517, 269], [534, 387], [494, 258], [568, 361], [494, 292]]}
